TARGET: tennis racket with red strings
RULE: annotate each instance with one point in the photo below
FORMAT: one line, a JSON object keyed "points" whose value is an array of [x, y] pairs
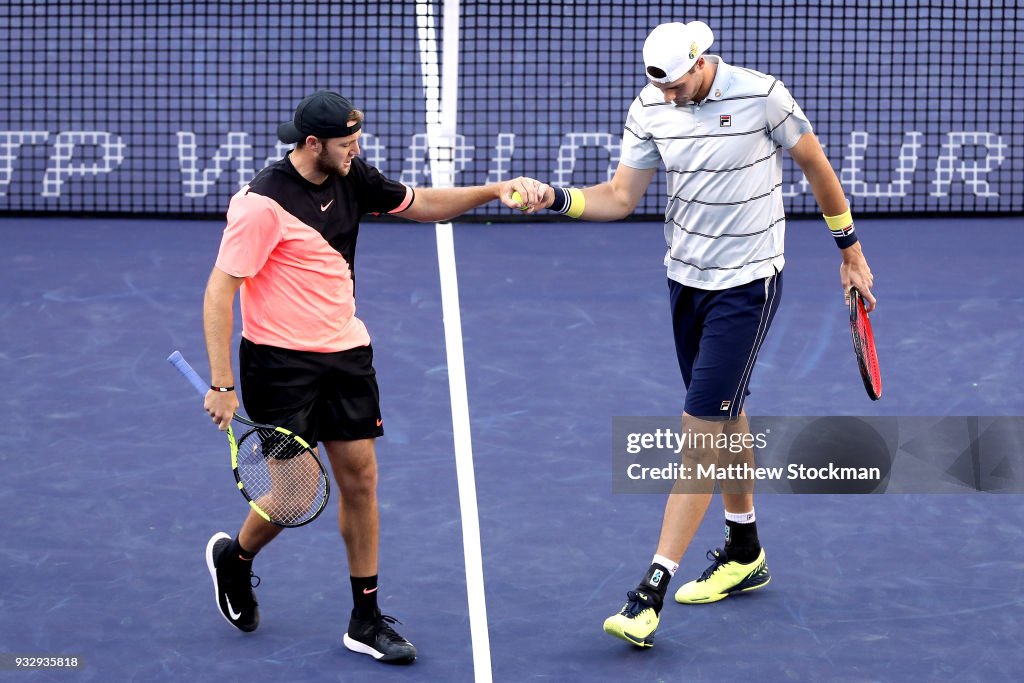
{"points": [[864, 346]]}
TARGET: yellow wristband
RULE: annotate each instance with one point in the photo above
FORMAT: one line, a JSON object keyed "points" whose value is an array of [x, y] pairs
{"points": [[568, 202], [576, 203], [841, 227]]}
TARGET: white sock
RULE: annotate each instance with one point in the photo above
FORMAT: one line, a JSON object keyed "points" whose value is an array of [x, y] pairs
{"points": [[741, 517], [668, 564]]}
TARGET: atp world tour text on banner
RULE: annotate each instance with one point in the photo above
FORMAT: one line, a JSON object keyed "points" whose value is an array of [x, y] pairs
{"points": [[194, 165]]}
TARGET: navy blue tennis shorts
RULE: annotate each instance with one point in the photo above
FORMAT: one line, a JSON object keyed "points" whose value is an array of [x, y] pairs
{"points": [[718, 336], [319, 396]]}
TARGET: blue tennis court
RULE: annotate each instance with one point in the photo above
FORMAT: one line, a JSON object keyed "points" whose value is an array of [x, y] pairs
{"points": [[127, 126], [113, 479]]}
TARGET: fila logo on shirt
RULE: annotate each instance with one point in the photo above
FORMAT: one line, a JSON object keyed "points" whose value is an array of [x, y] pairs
{"points": [[725, 121]]}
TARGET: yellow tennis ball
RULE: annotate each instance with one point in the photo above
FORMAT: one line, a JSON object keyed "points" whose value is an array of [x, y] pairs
{"points": [[516, 197]]}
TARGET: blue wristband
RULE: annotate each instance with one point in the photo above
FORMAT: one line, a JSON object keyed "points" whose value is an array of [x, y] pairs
{"points": [[841, 227], [847, 240], [568, 202]]}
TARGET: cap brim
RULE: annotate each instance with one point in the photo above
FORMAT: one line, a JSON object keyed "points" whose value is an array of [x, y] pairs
{"points": [[288, 133]]}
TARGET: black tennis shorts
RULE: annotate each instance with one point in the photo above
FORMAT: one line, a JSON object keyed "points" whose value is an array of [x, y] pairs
{"points": [[319, 396], [718, 336]]}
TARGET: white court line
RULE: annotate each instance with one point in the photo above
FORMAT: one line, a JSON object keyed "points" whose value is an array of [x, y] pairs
{"points": [[440, 94]]}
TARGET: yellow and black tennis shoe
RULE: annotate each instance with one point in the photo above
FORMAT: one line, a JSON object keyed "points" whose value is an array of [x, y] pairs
{"points": [[637, 621], [723, 578]]}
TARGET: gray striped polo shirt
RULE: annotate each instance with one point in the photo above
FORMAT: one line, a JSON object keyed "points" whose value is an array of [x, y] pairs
{"points": [[724, 220]]}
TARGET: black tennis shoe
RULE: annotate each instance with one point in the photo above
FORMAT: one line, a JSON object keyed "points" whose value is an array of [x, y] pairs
{"points": [[232, 587], [376, 638]]}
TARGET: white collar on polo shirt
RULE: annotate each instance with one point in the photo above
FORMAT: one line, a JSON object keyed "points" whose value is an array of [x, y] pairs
{"points": [[723, 79]]}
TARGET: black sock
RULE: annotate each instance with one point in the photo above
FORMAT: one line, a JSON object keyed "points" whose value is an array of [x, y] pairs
{"points": [[741, 543], [237, 556], [655, 583], [364, 596]]}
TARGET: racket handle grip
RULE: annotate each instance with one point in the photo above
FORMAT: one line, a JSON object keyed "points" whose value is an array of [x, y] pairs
{"points": [[182, 366]]}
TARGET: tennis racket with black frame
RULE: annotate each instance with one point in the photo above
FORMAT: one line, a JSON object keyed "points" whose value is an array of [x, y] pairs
{"points": [[864, 346], [279, 473]]}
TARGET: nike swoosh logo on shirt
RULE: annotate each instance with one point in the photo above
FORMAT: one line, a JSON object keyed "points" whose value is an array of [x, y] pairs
{"points": [[324, 207], [235, 616]]}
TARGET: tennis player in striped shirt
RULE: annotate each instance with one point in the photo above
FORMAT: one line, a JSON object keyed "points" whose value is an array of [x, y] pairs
{"points": [[719, 131]]}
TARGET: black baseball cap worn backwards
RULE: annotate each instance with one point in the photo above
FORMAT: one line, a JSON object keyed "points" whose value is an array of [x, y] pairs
{"points": [[323, 114]]}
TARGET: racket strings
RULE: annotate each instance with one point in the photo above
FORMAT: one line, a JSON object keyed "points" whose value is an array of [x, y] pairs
{"points": [[864, 346], [871, 354], [281, 476]]}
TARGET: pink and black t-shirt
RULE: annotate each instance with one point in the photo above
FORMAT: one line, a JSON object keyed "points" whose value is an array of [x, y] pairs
{"points": [[294, 243]]}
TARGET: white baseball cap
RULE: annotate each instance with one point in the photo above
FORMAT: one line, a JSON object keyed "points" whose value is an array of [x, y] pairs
{"points": [[672, 49]]}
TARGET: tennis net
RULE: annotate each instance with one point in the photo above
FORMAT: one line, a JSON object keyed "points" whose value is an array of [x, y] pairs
{"points": [[166, 108]]}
